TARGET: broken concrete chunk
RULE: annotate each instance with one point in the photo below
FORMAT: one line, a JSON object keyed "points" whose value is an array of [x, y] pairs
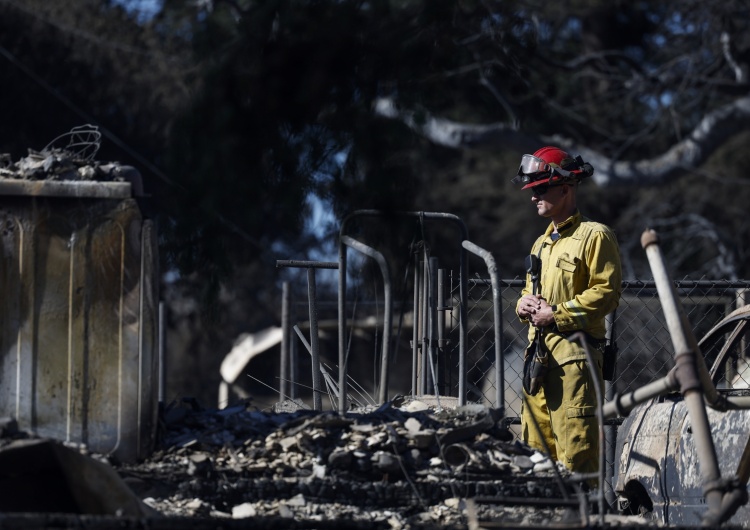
{"points": [[288, 442], [523, 462], [364, 428], [340, 459], [246, 509], [416, 406], [298, 500], [200, 465], [386, 462], [424, 439], [413, 425]]}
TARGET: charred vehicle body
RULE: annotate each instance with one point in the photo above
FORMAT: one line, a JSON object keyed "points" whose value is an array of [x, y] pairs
{"points": [[684, 447]]}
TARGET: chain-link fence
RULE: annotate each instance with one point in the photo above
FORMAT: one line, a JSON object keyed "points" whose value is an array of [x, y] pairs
{"points": [[645, 347]]}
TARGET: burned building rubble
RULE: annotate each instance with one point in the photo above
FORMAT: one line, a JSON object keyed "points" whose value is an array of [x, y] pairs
{"points": [[402, 464]]}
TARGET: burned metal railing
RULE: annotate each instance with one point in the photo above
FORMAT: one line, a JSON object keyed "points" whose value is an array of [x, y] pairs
{"points": [[387, 320], [313, 346], [638, 321], [497, 322], [344, 241]]}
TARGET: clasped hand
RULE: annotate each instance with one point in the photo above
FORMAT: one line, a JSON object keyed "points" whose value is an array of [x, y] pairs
{"points": [[536, 310]]}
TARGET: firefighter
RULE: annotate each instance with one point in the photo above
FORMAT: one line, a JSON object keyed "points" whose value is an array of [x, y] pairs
{"points": [[574, 280]]}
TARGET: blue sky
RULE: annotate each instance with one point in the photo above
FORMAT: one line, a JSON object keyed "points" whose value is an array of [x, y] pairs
{"points": [[145, 8]]}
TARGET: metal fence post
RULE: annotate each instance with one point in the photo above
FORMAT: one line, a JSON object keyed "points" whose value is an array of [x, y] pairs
{"points": [[441, 350], [314, 343], [162, 352], [285, 381], [424, 385], [293, 369], [415, 342], [497, 322], [432, 337], [610, 431]]}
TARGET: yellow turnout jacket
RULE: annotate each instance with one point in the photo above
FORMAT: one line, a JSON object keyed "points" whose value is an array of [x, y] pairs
{"points": [[581, 275]]}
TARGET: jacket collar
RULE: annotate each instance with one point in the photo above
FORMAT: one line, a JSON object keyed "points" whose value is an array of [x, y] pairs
{"points": [[566, 227]]}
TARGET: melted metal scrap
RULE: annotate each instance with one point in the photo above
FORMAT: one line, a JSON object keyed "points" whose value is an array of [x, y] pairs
{"points": [[70, 158], [82, 142]]}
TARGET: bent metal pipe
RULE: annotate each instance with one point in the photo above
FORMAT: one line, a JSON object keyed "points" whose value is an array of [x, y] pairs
{"points": [[687, 374]]}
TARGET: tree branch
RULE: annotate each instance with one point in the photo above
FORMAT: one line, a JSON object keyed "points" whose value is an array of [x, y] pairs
{"points": [[714, 129]]}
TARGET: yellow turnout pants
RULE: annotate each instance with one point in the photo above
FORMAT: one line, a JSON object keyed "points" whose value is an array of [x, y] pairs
{"points": [[565, 411]]}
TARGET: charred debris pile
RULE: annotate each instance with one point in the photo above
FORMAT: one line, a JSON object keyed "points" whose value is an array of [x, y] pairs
{"points": [[60, 164], [71, 157], [404, 463]]}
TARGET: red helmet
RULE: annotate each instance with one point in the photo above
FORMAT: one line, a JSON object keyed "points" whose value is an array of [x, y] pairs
{"points": [[554, 155], [550, 165]]}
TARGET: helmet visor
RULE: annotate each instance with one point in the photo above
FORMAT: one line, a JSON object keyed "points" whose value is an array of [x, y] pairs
{"points": [[531, 170], [531, 164]]}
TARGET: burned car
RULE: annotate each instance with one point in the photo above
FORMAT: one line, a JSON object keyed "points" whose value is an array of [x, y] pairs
{"points": [[658, 474]]}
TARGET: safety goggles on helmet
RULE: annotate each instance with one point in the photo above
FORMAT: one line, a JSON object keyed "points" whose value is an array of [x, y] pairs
{"points": [[531, 164], [534, 169]]}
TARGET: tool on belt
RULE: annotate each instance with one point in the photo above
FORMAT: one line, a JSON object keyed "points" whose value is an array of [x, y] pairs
{"points": [[610, 355], [536, 357], [608, 349]]}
